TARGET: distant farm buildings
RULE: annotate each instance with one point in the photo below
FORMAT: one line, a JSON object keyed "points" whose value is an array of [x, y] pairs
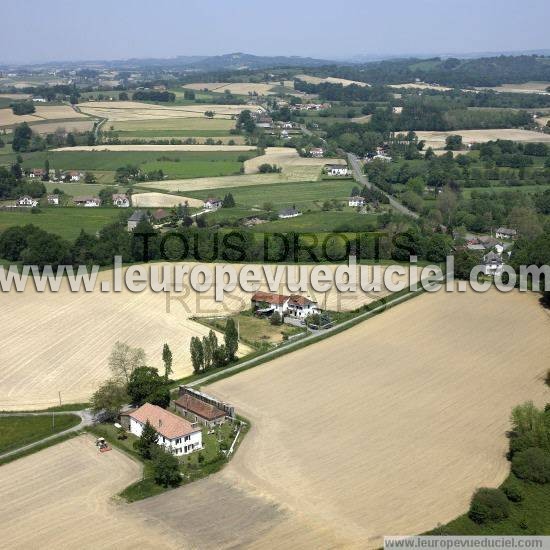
{"points": [[294, 305], [289, 213]]}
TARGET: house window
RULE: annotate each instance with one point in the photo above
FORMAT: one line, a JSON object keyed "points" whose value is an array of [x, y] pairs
{"points": [[187, 437], [178, 441]]}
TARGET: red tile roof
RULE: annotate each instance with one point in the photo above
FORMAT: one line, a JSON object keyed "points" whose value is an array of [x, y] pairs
{"points": [[167, 424], [296, 299], [200, 408], [270, 298]]}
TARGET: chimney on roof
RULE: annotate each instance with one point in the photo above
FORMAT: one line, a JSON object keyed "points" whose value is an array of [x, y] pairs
{"points": [[160, 422]]}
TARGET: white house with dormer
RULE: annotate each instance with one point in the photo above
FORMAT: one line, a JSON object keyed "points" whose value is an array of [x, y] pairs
{"points": [[175, 434], [294, 305], [121, 200], [26, 202], [357, 201]]}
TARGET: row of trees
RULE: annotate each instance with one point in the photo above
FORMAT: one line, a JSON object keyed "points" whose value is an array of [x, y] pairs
{"points": [[207, 353]]}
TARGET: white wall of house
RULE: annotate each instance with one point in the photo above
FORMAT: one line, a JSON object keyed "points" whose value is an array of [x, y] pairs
{"points": [[178, 446]]}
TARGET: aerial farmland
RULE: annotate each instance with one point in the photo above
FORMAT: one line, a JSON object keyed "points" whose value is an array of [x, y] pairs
{"points": [[259, 301]]}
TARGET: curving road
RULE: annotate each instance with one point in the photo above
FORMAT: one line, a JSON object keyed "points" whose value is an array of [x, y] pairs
{"points": [[361, 178], [86, 419]]}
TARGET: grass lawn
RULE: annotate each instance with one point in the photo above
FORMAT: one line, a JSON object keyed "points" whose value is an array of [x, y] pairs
{"points": [[254, 331], [531, 516], [18, 431], [317, 222], [65, 222], [280, 195]]}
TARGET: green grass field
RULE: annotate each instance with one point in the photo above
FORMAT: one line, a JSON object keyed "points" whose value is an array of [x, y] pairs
{"points": [[317, 222], [302, 194], [174, 164], [202, 123], [65, 222], [79, 189], [17, 431]]}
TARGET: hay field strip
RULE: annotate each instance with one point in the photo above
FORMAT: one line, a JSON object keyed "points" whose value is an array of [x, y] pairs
{"points": [[437, 139], [71, 335], [531, 87], [420, 86], [153, 148], [237, 88], [131, 110], [162, 200], [45, 113], [330, 79], [424, 395], [191, 123]]}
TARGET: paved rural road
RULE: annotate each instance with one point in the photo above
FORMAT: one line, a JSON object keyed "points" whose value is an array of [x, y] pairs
{"points": [[361, 178], [86, 419], [311, 338]]}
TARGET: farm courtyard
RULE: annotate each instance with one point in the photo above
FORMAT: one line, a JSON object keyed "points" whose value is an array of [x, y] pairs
{"points": [[391, 439]]}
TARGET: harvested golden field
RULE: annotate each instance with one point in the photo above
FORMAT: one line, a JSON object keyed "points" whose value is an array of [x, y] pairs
{"points": [[191, 123], [330, 79], [67, 126], [71, 335], [61, 497], [138, 147], [390, 426], [15, 96], [293, 165], [121, 111], [238, 88], [436, 140], [162, 200], [523, 88], [420, 86], [46, 113]]}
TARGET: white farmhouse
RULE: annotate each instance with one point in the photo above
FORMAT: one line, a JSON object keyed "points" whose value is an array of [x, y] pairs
{"points": [[27, 202], [212, 203], [337, 170], [289, 213], [87, 202], [317, 152], [505, 233], [294, 305], [176, 434], [492, 263], [121, 200], [53, 199], [357, 201]]}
